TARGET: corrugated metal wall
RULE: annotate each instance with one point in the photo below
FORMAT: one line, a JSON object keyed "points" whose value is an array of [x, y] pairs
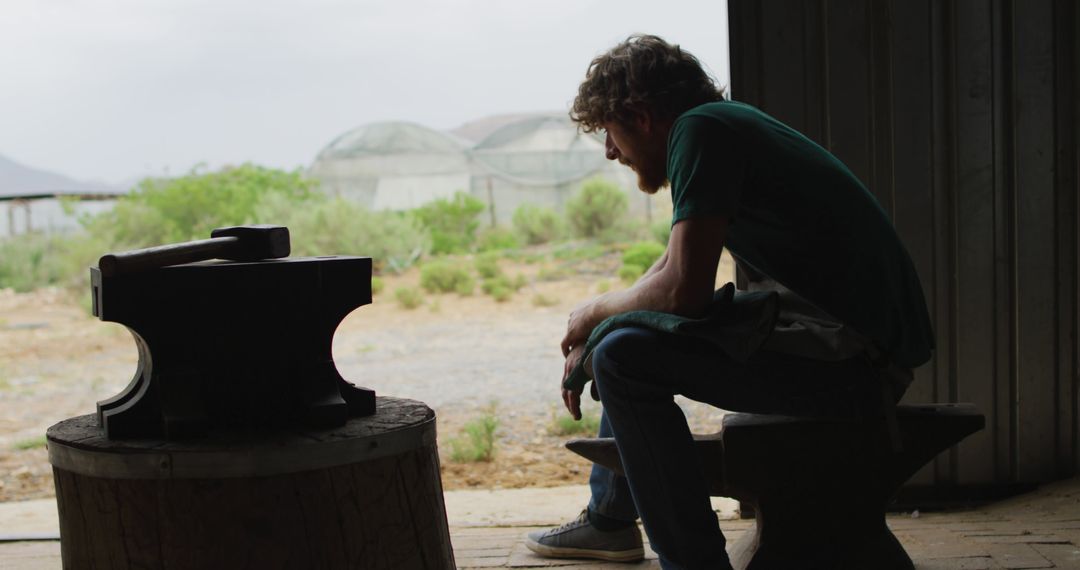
{"points": [[962, 118]]}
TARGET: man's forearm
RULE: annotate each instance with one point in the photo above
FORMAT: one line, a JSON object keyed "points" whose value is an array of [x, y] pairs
{"points": [[681, 282], [655, 291], [632, 299]]}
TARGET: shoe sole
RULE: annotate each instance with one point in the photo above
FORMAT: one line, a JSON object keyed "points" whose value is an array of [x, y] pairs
{"points": [[634, 555]]}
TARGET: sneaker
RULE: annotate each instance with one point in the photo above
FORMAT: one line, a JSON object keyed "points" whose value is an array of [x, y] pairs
{"points": [[580, 539]]}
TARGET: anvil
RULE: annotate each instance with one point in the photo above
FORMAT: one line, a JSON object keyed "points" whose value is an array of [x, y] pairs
{"points": [[233, 345]]}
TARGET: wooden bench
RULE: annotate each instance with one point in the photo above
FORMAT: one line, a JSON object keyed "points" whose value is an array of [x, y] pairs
{"points": [[819, 488]]}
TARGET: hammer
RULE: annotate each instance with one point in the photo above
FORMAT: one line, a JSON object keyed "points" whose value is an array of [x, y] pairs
{"points": [[238, 243]]}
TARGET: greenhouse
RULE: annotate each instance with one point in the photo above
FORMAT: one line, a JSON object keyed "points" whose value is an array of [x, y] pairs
{"points": [[542, 160], [539, 159], [393, 166]]}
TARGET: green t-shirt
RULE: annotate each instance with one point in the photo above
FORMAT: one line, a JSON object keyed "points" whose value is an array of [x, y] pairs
{"points": [[801, 217]]}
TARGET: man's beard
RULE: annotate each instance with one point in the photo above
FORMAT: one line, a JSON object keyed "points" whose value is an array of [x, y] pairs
{"points": [[650, 179]]}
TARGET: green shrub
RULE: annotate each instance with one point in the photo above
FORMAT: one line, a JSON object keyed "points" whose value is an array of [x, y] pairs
{"points": [[503, 282], [563, 424], [377, 285], [79, 251], [29, 261], [487, 265], [542, 300], [537, 224], [552, 273], [638, 258], [408, 297], [32, 260], [166, 210], [498, 239], [643, 254], [321, 226], [488, 284], [30, 443], [630, 273], [661, 231], [623, 231], [159, 211], [501, 294], [603, 286], [442, 276], [596, 207], [477, 440], [580, 252], [451, 223], [464, 287]]}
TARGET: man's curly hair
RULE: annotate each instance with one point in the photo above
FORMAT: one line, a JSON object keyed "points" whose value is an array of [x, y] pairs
{"points": [[643, 72]]}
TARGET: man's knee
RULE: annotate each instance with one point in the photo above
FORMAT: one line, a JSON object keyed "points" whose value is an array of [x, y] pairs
{"points": [[622, 349]]}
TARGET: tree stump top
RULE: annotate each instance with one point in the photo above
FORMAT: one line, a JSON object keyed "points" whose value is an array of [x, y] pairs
{"points": [[79, 445]]}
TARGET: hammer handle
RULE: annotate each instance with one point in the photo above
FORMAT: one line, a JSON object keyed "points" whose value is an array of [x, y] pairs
{"points": [[139, 260]]}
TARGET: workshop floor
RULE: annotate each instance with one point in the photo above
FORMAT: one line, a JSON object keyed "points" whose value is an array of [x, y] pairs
{"points": [[1037, 530]]}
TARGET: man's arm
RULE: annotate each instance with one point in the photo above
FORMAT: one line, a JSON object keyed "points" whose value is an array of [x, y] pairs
{"points": [[681, 282]]}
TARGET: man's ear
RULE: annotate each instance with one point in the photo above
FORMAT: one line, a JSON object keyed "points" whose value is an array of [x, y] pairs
{"points": [[642, 120]]}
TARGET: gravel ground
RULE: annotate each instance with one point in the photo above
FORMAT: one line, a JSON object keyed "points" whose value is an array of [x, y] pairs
{"points": [[460, 355]]}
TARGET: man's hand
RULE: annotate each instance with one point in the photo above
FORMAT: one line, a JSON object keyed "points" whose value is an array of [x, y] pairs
{"points": [[572, 398], [578, 328]]}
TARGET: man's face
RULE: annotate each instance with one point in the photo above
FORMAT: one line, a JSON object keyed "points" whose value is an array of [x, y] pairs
{"points": [[645, 154]]}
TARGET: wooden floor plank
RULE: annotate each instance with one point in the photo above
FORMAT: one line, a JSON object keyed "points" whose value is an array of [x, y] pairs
{"points": [[1018, 556], [1062, 555]]}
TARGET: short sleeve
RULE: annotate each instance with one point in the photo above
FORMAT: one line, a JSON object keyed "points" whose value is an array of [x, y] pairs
{"points": [[706, 168]]}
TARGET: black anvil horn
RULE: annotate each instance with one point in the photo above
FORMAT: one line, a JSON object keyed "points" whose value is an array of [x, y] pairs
{"points": [[223, 345], [238, 243]]}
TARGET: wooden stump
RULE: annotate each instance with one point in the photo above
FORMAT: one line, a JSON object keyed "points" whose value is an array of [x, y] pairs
{"points": [[365, 495]]}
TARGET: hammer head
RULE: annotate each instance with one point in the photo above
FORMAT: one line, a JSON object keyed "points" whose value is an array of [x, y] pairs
{"points": [[255, 242]]}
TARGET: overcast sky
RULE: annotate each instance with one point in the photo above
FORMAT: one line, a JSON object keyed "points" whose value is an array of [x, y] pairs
{"points": [[111, 90]]}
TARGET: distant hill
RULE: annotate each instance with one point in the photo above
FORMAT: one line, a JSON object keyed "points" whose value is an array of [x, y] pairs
{"points": [[20, 180]]}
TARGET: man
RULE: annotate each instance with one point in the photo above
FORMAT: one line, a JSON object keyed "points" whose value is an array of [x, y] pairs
{"points": [[850, 318]]}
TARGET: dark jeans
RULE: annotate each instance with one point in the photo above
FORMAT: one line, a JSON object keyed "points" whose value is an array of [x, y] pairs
{"points": [[638, 371]]}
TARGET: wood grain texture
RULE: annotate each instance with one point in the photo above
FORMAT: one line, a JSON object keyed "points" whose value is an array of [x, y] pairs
{"points": [[78, 445], [385, 512]]}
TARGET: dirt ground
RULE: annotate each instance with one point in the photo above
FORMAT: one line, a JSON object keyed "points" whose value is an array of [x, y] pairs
{"points": [[463, 356]]}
